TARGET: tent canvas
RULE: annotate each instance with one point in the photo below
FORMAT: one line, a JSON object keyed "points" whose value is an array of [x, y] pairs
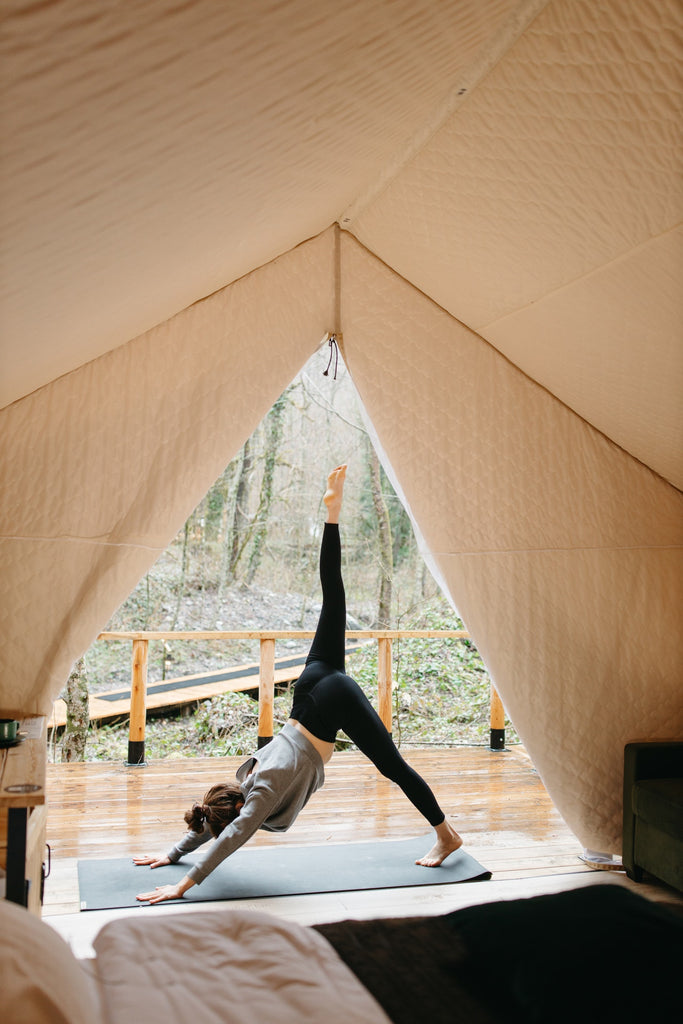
{"points": [[483, 199]]}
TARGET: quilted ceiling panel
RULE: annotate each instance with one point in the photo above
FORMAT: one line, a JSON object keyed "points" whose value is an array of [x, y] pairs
{"points": [[159, 150], [542, 214]]}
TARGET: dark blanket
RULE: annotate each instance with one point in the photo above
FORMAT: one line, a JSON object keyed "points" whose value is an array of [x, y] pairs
{"points": [[597, 954]]}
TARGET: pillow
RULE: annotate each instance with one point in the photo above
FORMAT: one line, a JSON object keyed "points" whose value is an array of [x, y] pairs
{"points": [[41, 981]]}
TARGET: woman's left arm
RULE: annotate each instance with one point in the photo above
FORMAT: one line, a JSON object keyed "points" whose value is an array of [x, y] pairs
{"points": [[258, 806], [167, 892]]}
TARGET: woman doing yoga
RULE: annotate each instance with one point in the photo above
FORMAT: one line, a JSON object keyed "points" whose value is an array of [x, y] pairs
{"points": [[273, 787]]}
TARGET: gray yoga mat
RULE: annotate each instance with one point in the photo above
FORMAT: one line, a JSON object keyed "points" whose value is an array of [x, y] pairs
{"points": [[279, 871]]}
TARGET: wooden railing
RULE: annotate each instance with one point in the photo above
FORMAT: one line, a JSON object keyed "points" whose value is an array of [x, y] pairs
{"points": [[267, 639]]}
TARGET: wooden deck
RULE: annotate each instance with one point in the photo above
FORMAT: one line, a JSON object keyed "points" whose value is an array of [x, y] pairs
{"points": [[495, 799]]}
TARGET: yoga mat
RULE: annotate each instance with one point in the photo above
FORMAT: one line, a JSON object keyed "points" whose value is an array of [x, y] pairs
{"points": [[279, 871]]}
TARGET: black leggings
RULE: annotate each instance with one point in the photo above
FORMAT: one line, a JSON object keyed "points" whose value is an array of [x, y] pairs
{"points": [[326, 700]]}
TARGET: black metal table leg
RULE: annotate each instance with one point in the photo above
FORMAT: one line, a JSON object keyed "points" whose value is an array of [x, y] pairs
{"points": [[16, 886]]}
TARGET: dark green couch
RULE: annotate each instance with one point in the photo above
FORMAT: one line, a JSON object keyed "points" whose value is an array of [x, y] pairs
{"points": [[653, 811]]}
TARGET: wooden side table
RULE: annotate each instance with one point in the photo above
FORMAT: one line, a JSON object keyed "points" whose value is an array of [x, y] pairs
{"points": [[23, 814]]}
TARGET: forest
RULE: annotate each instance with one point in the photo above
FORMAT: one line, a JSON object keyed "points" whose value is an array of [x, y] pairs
{"points": [[246, 559]]}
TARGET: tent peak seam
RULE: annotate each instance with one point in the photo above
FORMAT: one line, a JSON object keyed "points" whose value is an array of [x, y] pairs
{"points": [[168, 319], [560, 548], [502, 355], [99, 541], [584, 276], [486, 59]]}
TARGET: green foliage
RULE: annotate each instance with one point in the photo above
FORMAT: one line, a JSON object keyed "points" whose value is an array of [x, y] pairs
{"points": [[401, 530], [227, 725], [401, 526], [214, 504], [441, 687]]}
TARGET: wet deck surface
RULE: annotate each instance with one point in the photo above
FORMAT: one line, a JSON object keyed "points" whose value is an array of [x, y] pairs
{"points": [[496, 800]]}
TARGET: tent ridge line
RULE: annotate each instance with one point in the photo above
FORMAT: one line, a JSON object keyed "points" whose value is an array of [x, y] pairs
{"points": [[586, 275], [168, 319], [248, 273], [486, 59], [558, 548], [97, 541], [503, 355]]}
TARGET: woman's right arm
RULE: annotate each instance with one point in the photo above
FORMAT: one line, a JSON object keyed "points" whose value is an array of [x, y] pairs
{"points": [[189, 842], [258, 807]]}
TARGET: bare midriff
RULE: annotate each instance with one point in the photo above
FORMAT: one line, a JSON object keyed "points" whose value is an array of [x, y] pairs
{"points": [[324, 748]]}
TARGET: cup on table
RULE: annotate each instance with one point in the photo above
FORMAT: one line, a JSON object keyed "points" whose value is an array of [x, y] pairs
{"points": [[8, 729]]}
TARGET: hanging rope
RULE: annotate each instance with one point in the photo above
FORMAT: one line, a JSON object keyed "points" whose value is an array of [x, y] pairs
{"points": [[334, 354]]}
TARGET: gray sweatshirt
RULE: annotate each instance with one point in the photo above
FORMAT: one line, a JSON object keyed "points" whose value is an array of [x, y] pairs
{"points": [[284, 776]]}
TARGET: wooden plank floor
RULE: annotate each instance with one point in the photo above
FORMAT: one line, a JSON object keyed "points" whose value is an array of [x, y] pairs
{"points": [[496, 800]]}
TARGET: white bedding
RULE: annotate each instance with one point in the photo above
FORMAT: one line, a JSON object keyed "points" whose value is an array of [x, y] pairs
{"points": [[225, 966], [220, 967]]}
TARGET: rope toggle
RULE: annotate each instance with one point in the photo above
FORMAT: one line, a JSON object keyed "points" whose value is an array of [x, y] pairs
{"points": [[334, 354]]}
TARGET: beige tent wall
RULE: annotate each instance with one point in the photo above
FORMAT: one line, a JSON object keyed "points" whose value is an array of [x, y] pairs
{"points": [[517, 161], [561, 552], [101, 467]]}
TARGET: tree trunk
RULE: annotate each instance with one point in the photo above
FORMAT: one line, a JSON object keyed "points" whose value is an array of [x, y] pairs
{"points": [[274, 439], [225, 528], [77, 714], [240, 518], [180, 590], [385, 545]]}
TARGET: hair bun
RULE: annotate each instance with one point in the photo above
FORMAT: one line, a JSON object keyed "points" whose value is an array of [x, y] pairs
{"points": [[222, 803], [196, 817]]}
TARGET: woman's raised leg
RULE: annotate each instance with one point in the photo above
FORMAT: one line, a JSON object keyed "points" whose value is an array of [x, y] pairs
{"points": [[340, 700], [329, 643]]}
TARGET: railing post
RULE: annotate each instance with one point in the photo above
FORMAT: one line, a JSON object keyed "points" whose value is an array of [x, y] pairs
{"points": [[138, 710], [384, 684], [497, 741], [266, 692]]}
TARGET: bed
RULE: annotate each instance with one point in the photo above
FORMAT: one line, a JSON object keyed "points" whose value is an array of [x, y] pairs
{"points": [[599, 953]]}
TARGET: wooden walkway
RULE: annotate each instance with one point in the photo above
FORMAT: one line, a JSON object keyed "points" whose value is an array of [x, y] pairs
{"points": [[181, 691], [495, 799], [174, 693]]}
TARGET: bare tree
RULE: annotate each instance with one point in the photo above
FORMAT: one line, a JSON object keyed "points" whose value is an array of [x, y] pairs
{"points": [[240, 518], [179, 592], [273, 442], [77, 714], [384, 537]]}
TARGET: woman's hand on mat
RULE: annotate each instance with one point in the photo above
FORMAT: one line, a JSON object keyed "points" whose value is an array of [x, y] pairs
{"points": [[166, 892], [153, 861]]}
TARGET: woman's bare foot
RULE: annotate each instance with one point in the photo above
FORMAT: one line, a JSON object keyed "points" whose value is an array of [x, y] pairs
{"points": [[447, 842], [334, 493]]}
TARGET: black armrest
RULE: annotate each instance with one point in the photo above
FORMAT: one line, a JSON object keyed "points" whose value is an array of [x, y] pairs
{"points": [[652, 759]]}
